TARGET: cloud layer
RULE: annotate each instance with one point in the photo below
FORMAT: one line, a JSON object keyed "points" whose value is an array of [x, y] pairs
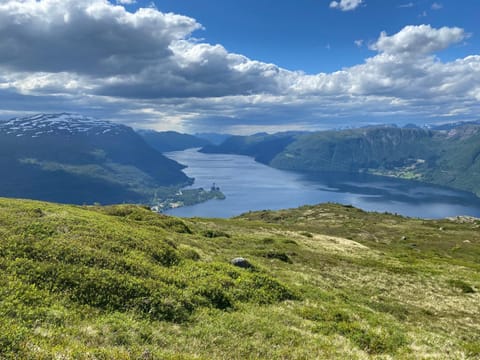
{"points": [[144, 68]]}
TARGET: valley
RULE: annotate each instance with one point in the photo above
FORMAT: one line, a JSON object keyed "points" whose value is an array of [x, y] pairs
{"points": [[239, 180], [249, 185], [442, 157]]}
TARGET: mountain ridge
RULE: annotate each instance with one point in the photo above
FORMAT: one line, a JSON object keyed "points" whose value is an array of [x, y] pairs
{"points": [[72, 158], [165, 141]]}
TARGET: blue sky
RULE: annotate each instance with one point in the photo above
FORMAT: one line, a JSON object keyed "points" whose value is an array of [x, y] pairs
{"points": [[308, 35], [242, 66]]}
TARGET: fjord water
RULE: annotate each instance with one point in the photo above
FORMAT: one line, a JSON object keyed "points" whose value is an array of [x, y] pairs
{"points": [[250, 186]]}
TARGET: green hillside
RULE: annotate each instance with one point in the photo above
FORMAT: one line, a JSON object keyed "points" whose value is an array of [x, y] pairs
{"points": [[353, 150], [74, 159], [458, 162], [327, 281], [449, 158]]}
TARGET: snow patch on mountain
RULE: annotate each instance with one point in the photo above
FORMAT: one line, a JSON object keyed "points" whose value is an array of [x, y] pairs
{"points": [[59, 124]]}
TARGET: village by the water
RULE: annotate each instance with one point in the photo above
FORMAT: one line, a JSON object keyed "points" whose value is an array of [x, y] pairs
{"points": [[187, 197]]}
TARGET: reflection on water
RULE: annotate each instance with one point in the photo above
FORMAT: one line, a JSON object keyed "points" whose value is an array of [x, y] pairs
{"points": [[249, 185]]}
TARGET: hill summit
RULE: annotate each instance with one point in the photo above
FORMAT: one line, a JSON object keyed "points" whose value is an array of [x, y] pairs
{"points": [[324, 282]]}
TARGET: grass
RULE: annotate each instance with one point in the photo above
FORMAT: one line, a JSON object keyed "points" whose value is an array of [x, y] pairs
{"points": [[328, 281]]}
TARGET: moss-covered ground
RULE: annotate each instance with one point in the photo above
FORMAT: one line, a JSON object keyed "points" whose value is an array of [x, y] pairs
{"points": [[327, 281]]}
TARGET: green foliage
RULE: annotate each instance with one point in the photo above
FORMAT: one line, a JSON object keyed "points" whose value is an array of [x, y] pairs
{"points": [[369, 335], [472, 349], [278, 255], [122, 282], [212, 233], [462, 285]]}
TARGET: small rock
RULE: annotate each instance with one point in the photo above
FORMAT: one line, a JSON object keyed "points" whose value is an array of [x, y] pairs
{"points": [[404, 238], [467, 241], [441, 229], [241, 262]]}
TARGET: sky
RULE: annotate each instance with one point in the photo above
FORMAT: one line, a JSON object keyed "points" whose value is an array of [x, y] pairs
{"points": [[242, 66]]}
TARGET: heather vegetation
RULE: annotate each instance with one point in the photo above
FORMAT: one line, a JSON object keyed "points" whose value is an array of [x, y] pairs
{"points": [[326, 281]]}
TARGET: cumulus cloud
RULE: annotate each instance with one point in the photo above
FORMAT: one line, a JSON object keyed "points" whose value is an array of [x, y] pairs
{"points": [[437, 6], [346, 5], [146, 69], [89, 36], [418, 40]]}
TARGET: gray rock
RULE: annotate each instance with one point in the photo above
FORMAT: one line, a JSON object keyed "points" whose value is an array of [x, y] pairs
{"points": [[241, 262]]}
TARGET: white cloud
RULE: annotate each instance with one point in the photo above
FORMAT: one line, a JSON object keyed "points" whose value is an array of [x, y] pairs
{"points": [[418, 40], [437, 6], [406, 5], [145, 69], [88, 36], [346, 5], [358, 43]]}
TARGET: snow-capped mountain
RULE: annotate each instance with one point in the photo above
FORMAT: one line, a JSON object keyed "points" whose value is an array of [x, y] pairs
{"points": [[72, 158], [59, 124]]}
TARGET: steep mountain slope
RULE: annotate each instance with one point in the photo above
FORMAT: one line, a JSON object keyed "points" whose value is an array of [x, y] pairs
{"points": [[352, 150], [458, 161], [263, 147], [75, 159], [170, 140], [449, 158], [326, 282]]}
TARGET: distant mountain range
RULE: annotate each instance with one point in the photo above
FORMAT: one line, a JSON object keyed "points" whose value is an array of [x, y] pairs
{"points": [[171, 140], [71, 158], [213, 138], [447, 155], [451, 126]]}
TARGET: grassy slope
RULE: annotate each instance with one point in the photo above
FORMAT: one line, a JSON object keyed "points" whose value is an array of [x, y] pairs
{"points": [[329, 282]]}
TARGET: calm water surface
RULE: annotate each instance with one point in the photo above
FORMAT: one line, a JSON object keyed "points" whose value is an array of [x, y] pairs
{"points": [[249, 185]]}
